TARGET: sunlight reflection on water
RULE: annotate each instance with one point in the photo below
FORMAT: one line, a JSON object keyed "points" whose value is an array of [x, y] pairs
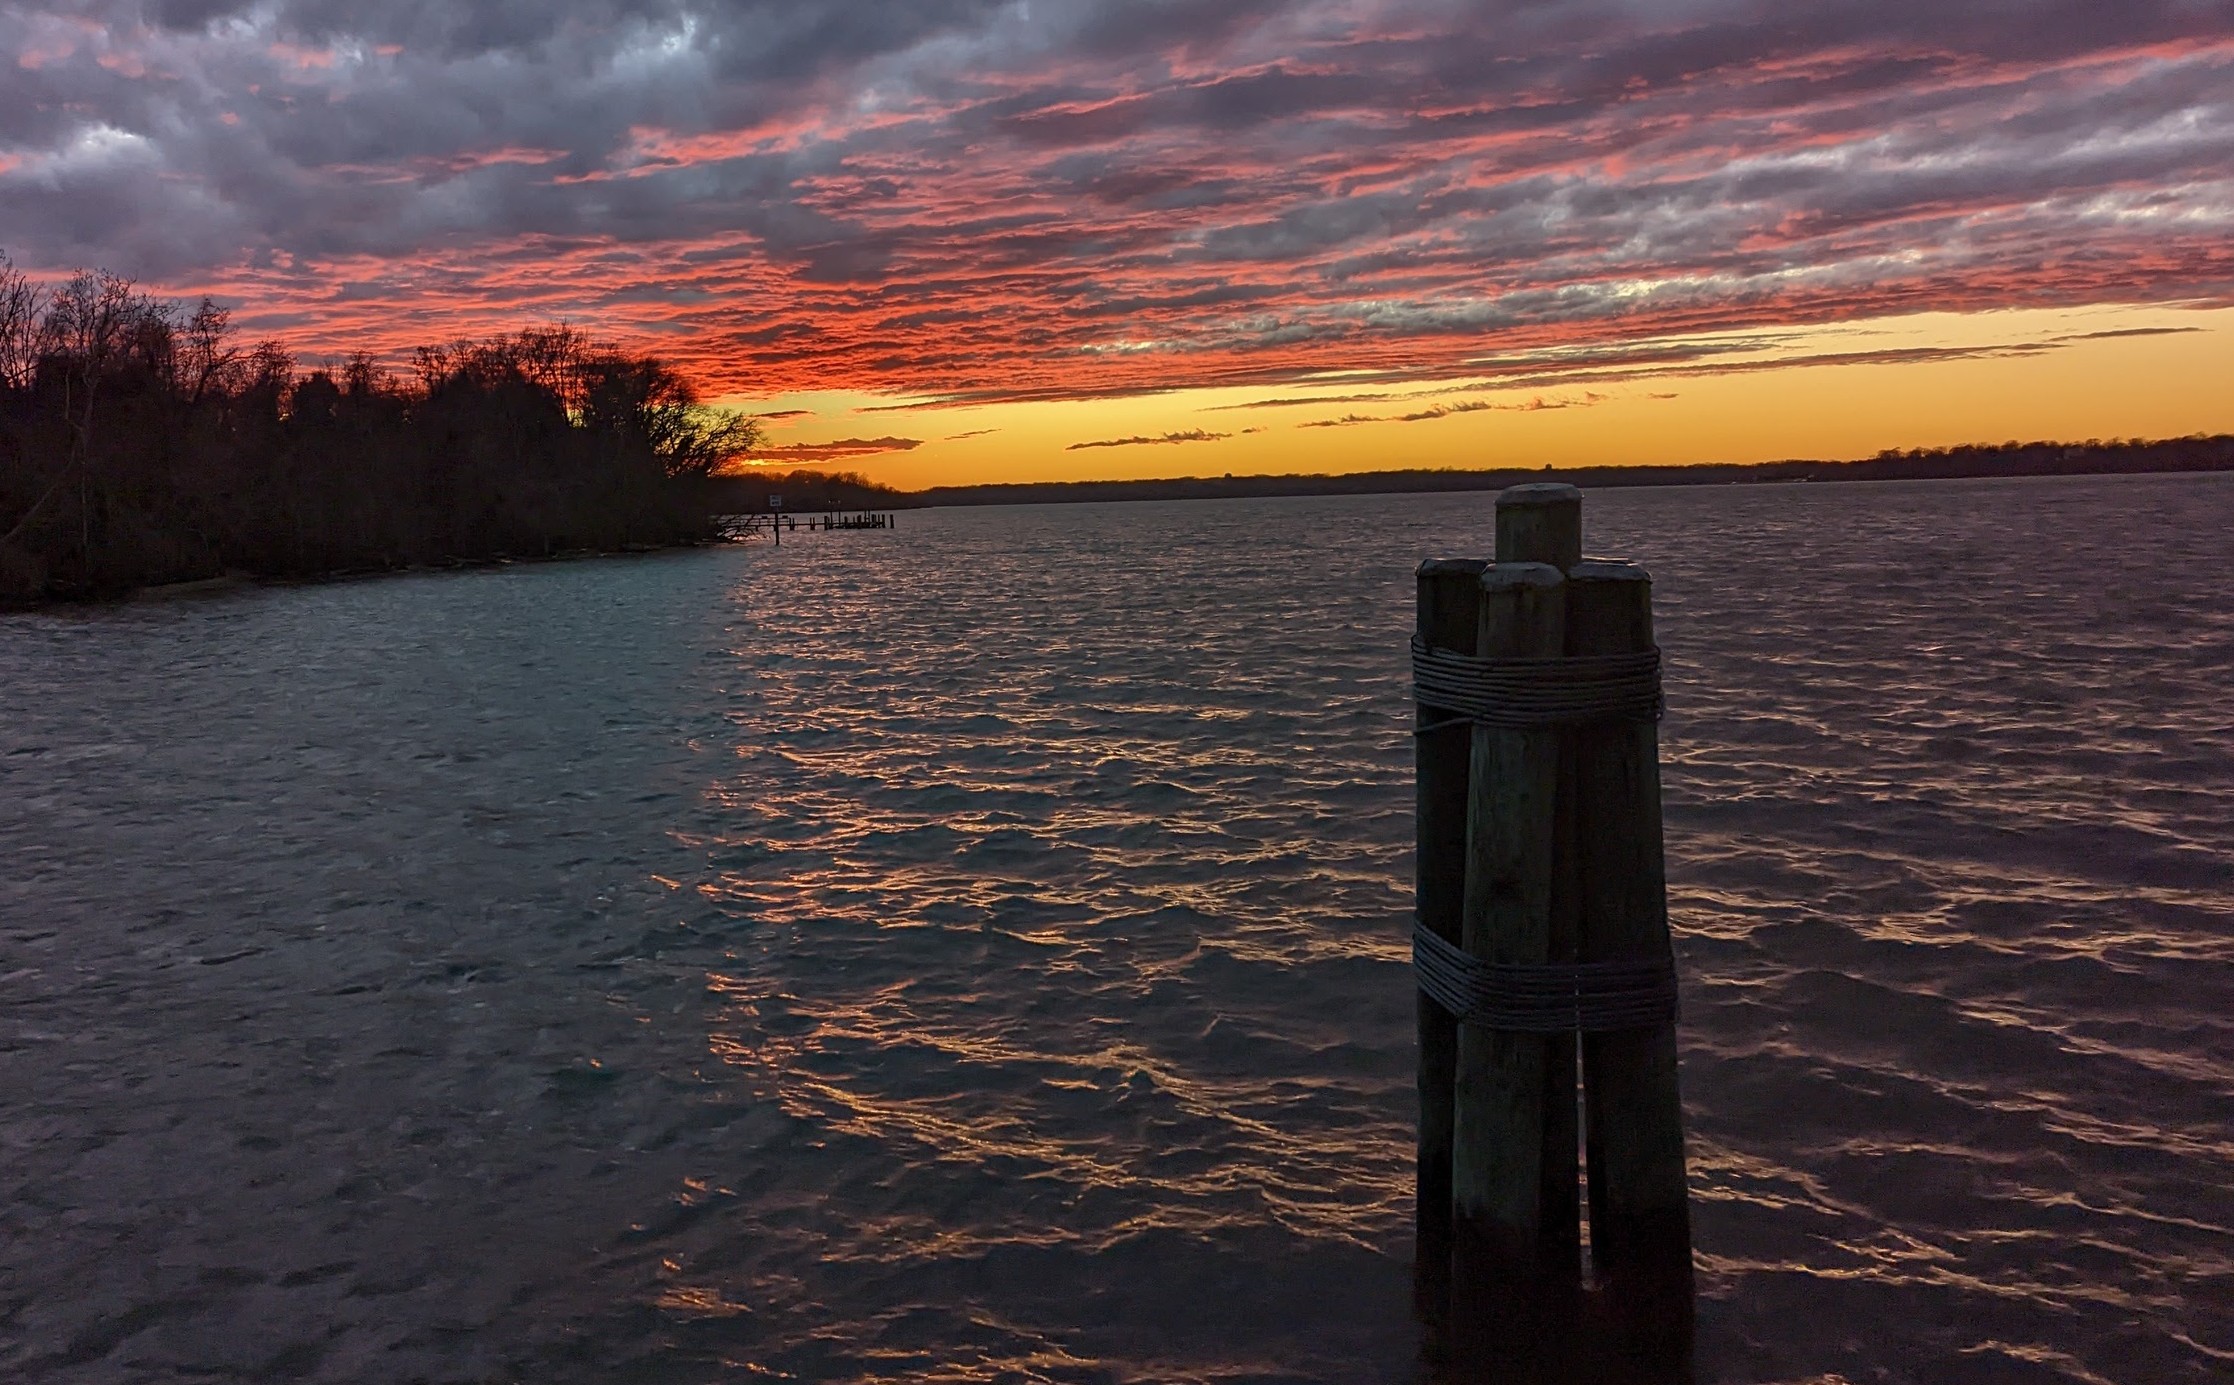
{"points": [[975, 950]]}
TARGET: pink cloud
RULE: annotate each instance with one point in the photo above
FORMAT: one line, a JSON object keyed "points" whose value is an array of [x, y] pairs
{"points": [[1120, 198]]}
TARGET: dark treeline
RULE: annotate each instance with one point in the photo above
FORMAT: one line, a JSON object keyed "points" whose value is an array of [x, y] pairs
{"points": [[2093, 458], [806, 492], [141, 444]]}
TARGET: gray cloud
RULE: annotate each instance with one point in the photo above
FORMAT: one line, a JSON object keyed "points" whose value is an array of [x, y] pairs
{"points": [[987, 198]]}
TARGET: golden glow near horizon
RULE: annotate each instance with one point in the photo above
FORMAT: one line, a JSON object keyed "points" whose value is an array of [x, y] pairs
{"points": [[1833, 392]]}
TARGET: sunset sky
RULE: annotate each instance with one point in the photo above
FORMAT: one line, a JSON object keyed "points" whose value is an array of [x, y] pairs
{"points": [[959, 240]]}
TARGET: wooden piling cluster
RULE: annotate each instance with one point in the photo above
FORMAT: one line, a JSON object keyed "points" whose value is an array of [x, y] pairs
{"points": [[775, 523], [1540, 855], [862, 519]]}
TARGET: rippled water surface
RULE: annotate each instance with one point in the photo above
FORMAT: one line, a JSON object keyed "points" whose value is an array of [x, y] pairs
{"points": [[975, 951]]}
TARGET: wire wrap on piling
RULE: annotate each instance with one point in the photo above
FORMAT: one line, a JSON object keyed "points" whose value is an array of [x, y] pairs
{"points": [[1527, 694], [1554, 998]]}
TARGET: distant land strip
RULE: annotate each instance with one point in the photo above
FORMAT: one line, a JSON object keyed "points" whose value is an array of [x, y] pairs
{"points": [[807, 490]]}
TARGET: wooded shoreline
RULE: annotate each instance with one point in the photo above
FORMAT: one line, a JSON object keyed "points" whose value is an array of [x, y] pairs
{"points": [[141, 446], [806, 490]]}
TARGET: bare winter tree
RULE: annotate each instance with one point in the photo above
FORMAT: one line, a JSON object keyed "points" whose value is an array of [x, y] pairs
{"points": [[19, 326], [140, 443]]}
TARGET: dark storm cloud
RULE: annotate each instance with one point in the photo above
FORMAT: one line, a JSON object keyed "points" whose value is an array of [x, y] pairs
{"points": [[974, 199]]}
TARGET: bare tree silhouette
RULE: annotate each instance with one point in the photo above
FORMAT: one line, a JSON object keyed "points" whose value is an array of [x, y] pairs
{"points": [[140, 443]]}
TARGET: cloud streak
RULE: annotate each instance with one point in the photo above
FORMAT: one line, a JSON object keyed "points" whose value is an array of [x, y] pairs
{"points": [[1190, 435], [1537, 405], [977, 200], [831, 451]]}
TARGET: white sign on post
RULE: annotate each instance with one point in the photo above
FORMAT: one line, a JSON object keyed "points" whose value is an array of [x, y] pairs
{"points": [[775, 502]]}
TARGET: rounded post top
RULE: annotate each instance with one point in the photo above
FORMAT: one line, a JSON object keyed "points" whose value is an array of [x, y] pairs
{"points": [[1608, 570], [1540, 522], [1609, 608], [1451, 567], [1538, 493], [1505, 577]]}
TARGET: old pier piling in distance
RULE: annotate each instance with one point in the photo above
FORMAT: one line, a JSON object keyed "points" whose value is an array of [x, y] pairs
{"points": [[774, 521], [1542, 921]]}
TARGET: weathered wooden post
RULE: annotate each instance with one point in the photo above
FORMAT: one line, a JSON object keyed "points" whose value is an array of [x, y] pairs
{"points": [[1640, 1214], [1541, 522], [1499, 1287], [1561, 931], [1448, 619]]}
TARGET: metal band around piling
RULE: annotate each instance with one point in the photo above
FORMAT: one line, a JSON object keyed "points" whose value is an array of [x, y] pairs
{"points": [[1522, 694], [1584, 998]]}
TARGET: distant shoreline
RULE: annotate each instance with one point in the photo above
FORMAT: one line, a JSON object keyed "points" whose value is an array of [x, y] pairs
{"points": [[805, 491], [2179, 455]]}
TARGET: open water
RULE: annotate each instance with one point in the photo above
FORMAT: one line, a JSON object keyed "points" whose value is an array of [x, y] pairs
{"points": [[976, 951]]}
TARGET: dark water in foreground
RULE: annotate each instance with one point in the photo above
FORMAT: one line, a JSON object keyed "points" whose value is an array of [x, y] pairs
{"points": [[975, 951]]}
